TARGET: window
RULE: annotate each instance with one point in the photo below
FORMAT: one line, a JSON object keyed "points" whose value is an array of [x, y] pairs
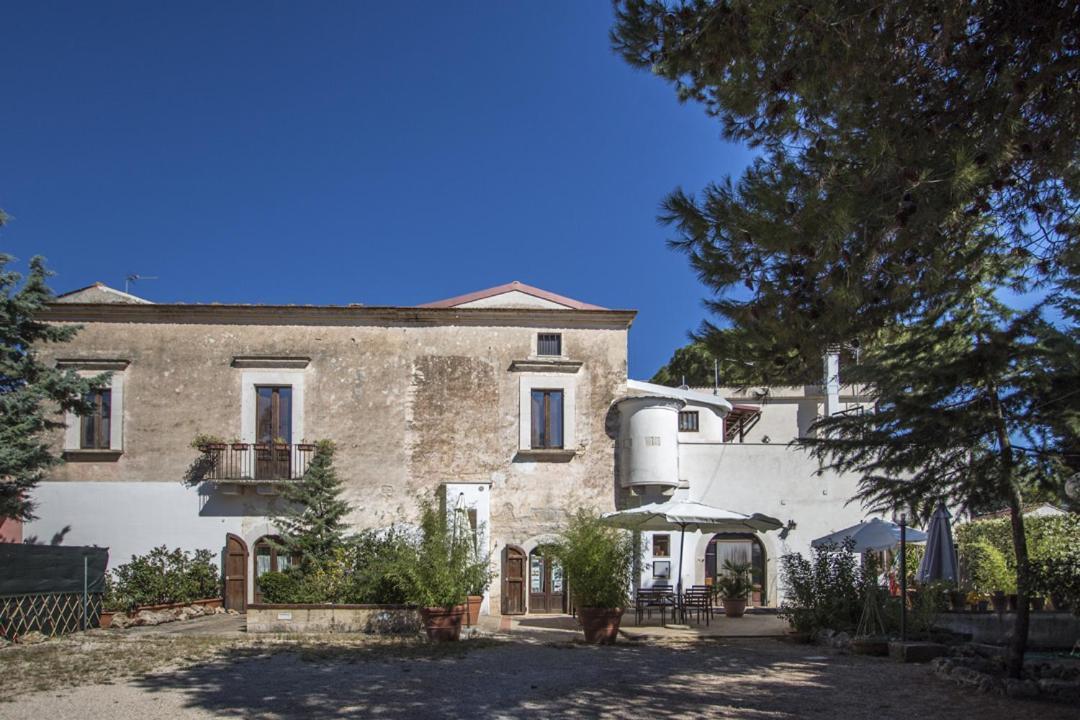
{"points": [[547, 419], [661, 546], [688, 421], [95, 429], [661, 569], [273, 414], [549, 344]]}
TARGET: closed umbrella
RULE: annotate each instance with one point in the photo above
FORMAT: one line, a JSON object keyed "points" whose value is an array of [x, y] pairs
{"points": [[686, 515], [939, 560], [873, 534]]}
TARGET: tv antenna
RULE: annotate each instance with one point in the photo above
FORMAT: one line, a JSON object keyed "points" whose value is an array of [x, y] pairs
{"points": [[135, 277]]}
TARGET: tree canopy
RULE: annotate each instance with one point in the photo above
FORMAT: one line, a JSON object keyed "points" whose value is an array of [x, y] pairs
{"points": [[31, 392], [918, 162]]}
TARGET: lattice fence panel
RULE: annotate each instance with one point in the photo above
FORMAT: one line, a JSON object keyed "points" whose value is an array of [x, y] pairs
{"points": [[48, 613]]}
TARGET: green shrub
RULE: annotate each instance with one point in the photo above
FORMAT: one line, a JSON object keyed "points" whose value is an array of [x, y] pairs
{"points": [[163, 576], [824, 592], [735, 582], [437, 566], [598, 561], [1053, 547], [986, 568]]}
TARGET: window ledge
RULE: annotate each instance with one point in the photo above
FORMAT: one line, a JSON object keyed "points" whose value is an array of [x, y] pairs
{"points": [[537, 455], [86, 455], [552, 364]]}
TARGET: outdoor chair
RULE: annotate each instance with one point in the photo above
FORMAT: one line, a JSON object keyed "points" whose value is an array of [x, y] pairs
{"points": [[699, 602], [648, 599]]}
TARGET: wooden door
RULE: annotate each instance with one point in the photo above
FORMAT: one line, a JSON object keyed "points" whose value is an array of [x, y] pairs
{"points": [[513, 581], [547, 586], [235, 573], [273, 432]]}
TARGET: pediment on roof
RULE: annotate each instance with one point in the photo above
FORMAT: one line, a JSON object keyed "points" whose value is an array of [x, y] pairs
{"points": [[513, 295]]}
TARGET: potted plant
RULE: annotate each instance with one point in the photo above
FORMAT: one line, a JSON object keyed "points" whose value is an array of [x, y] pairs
{"points": [[734, 587], [998, 600], [479, 572], [435, 572], [598, 561], [237, 445], [205, 442], [958, 599]]}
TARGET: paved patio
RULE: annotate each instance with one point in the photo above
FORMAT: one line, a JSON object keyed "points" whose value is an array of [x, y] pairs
{"points": [[553, 628]]}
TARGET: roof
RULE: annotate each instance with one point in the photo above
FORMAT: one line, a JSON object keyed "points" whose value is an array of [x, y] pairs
{"points": [[512, 295], [99, 292], [693, 396]]}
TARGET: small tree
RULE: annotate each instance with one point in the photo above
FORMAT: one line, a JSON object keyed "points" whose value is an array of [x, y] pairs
{"points": [[598, 561], [312, 524], [30, 390]]}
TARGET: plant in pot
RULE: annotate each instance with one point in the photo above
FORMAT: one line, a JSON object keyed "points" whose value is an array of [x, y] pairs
{"points": [[435, 570], [734, 587], [598, 561], [478, 580]]}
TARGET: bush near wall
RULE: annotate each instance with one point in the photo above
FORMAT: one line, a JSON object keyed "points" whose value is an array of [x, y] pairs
{"points": [[1053, 546], [362, 571], [163, 576]]}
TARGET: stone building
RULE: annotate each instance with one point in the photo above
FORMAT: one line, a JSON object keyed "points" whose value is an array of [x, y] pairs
{"points": [[511, 403], [497, 399]]}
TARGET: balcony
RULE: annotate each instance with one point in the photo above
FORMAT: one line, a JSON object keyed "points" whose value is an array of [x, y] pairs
{"points": [[255, 462]]}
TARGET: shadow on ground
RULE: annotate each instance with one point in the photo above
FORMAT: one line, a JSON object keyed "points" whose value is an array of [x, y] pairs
{"points": [[745, 679]]}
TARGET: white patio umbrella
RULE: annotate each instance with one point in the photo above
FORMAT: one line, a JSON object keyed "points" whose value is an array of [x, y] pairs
{"points": [[686, 515], [873, 534], [939, 560]]}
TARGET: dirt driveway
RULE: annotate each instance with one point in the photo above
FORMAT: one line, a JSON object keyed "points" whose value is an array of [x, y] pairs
{"points": [[484, 678]]}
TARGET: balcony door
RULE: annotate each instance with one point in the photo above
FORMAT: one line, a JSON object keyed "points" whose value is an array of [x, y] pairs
{"points": [[273, 428]]}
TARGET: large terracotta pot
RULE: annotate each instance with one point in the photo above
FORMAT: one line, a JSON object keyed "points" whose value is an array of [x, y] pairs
{"points": [[601, 625], [442, 624], [105, 619], [474, 609], [734, 607], [997, 599]]}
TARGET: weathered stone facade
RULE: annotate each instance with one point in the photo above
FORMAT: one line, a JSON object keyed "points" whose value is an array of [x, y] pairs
{"points": [[412, 397]]}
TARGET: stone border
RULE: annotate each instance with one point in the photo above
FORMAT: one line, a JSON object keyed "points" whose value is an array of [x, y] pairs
{"points": [[301, 618]]}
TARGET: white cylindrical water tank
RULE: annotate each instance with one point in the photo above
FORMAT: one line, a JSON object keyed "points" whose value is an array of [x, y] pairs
{"points": [[649, 441]]}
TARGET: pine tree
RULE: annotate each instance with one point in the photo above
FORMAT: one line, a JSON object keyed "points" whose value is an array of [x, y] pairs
{"points": [[313, 522], [31, 392], [915, 160]]}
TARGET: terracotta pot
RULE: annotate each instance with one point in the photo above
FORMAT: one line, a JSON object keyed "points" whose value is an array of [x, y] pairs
{"points": [[442, 624], [957, 600], [1038, 603], [734, 607], [982, 606], [601, 625], [1012, 602], [998, 601], [1059, 602], [474, 602], [239, 446], [105, 619]]}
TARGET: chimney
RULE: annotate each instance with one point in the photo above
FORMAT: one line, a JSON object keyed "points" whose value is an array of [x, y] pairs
{"points": [[832, 382]]}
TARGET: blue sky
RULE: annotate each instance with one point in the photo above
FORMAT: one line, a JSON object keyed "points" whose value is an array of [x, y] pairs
{"points": [[338, 152]]}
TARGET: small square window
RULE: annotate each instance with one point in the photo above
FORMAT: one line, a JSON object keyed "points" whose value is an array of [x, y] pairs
{"points": [[661, 569], [688, 421], [549, 344], [661, 546]]}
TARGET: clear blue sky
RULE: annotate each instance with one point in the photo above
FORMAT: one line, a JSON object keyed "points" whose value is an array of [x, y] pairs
{"points": [[337, 152]]}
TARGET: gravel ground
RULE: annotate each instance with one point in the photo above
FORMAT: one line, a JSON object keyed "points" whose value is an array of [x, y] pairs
{"points": [[524, 679]]}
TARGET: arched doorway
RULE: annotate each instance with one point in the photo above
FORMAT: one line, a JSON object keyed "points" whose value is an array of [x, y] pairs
{"points": [[235, 567], [513, 580], [547, 585], [739, 548], [268, 558]]}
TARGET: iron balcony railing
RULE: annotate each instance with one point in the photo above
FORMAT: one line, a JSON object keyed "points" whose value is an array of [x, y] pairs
{"points": [[256, 462]]}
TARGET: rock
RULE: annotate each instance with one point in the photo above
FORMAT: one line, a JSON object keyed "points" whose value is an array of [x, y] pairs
{"points": [[916, 652], [4, 642], [988, 684], [232, 612], [189, 612], [1060, 689], [219, 611], [841, 640], [31, 638], [1021, 688], [942, 666], [824, 637], [966, 677]]}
